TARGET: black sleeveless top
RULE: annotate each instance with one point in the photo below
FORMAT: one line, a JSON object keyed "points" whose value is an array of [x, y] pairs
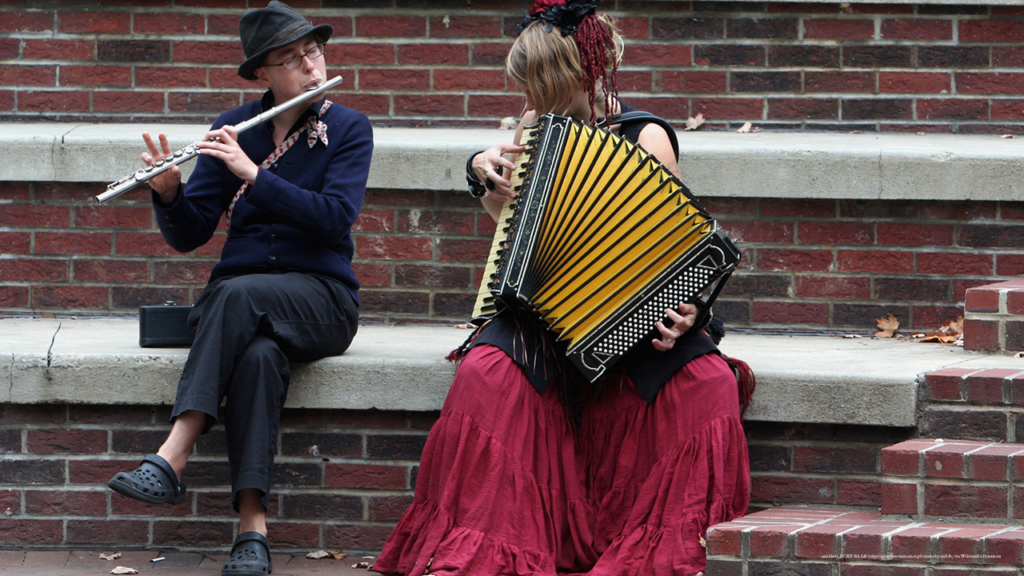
{"points": [[543, 359]]}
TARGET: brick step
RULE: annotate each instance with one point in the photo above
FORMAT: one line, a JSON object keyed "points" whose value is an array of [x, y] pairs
{"points": [[933, 479], [852, 542], [995, 316]]}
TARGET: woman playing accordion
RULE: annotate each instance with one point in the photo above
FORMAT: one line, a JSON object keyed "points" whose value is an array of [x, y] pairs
{"points": [[534, 469]]}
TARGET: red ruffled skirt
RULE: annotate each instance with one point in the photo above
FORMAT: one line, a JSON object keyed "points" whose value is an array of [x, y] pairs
{"points": [[506, 487]]}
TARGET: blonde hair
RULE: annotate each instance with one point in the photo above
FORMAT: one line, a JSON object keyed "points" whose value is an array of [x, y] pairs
{"points": [[548, 65]]}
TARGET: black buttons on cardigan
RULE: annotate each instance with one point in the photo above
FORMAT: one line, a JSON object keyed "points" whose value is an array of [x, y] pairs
{"points": [[272, 259], [273, 238], [273, 166]]}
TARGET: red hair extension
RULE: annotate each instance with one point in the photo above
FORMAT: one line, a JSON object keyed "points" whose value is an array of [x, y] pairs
{"points": [[594, 42]]}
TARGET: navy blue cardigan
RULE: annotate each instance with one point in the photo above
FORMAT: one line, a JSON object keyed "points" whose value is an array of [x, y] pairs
{"points": [[299, 214]]}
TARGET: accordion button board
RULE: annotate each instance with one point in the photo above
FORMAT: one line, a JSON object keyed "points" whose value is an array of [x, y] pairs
{"points": [[599, 241]]}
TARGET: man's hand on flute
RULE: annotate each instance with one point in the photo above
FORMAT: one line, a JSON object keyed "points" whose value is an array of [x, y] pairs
{"points": [[166, 184]]}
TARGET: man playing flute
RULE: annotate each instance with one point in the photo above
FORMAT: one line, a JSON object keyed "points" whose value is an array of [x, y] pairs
{"points": [[284, 290]]}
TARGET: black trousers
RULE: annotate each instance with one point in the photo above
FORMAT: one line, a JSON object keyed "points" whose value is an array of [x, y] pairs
{"points": [[249, 328]]}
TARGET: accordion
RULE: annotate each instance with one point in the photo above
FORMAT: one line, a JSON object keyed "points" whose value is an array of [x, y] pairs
{"points": [[598, 242]]}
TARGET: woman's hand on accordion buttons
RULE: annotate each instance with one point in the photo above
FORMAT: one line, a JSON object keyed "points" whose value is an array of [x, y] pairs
{"points": [[485, 166], [682, 321]]}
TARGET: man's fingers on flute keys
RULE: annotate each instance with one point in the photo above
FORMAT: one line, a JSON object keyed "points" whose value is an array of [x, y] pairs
{"points": [[165, 145]]}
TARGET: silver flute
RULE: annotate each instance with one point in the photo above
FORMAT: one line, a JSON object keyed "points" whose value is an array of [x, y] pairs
{"points": [[115, 189]]}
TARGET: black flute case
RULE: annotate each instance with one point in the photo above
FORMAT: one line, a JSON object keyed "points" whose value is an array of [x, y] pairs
{"points": [[164, 326]]}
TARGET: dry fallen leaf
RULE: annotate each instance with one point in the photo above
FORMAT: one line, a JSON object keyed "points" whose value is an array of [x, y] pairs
{"points": [[951, 332], [694, 122], [1007, 136], [465, 326], [852, 336], [337, 555], [886, 326], [703, 543], [109, 557], [748, 128], [957, 326], [124, 570], [507, 123], [361, 565], [318, 554]]}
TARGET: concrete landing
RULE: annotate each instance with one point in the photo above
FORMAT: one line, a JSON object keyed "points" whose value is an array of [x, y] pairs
{"points": [[875, 166], [88, 563], [813, 379]]}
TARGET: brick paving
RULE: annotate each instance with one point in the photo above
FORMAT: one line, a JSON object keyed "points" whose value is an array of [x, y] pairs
{"points": [[88, 563]]}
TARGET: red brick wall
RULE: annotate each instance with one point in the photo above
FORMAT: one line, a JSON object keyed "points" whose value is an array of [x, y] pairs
{"points": [[817, 264], [419, 255], [839, 264], [818, 464], [415, 62], [341, 479]]}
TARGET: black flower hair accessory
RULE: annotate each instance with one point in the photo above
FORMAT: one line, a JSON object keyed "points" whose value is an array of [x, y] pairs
{"points": [[566, 16]]}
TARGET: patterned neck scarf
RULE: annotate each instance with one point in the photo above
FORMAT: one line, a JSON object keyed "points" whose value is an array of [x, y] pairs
{"points": [[315, 130]]}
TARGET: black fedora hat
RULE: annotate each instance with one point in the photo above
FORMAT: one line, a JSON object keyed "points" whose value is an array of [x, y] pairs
{"points": [[270, 28]]}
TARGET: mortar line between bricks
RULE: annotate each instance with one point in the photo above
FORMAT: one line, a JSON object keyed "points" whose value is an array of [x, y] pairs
{"points": [[829, 475], [939, 480], [10, 378], [117, 457], [820, 443], [965, 407], [60, 426], [1010, 498], [217, 490]]}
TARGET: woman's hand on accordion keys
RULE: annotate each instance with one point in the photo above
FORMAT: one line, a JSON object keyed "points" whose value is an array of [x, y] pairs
{"points": [[682, 321], [486, 164]]}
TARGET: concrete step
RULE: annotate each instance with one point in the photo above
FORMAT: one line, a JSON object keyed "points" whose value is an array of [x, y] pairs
{"points": [[929, 479], [86, 562], [854, 542]]}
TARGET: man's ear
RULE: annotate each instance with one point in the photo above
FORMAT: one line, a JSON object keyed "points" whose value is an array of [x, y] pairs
{"points": [[262, 78]]}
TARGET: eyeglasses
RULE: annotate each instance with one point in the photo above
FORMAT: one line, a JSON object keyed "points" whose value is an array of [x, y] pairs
{"points": [[293, 62]]}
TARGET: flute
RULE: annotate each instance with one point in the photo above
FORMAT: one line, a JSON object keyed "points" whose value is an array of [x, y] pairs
{"points": [[115, 189]]}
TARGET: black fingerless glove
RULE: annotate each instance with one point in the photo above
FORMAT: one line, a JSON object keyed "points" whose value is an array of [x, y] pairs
{"points": [[477, 189]]}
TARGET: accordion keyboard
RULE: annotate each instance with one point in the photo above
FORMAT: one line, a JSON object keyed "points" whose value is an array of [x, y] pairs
{"points": [[485, 306]]}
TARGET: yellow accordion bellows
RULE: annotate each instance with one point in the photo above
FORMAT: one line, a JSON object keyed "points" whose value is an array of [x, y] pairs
{"points": [[599, 241]]}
